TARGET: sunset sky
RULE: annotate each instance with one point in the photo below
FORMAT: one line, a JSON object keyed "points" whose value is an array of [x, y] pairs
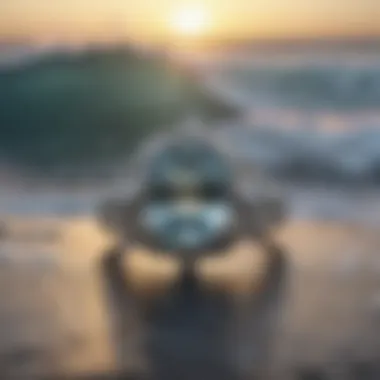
{"points": [[159, 19]]}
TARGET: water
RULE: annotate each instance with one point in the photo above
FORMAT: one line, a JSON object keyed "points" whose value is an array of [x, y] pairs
{"points": [[310, 117], [307, 116]]}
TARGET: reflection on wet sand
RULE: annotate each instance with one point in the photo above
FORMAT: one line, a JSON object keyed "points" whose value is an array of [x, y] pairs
{"points": [[57, 318]]}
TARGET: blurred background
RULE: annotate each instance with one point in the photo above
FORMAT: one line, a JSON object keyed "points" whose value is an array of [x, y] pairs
{"points": [[290, 86], [294, 86]]}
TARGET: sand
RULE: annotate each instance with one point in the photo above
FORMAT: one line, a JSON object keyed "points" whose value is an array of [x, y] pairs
{"points": [[55, 315]]}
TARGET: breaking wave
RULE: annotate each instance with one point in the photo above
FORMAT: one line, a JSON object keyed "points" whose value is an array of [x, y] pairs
{"points": [[92, 107], [307, 119], [314, 156], [307, 83], [301, 119]]}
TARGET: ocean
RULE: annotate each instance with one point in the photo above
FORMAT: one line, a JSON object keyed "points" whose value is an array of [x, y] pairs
{"points": [[307, 115]]}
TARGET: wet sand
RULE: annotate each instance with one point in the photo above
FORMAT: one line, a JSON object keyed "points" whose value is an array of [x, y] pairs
{"points": [[55, 313]]}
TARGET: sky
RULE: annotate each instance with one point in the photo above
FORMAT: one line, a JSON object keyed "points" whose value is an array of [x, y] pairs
{"points": [[150, 20]]}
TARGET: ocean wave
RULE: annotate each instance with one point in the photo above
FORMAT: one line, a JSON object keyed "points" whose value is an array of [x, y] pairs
{"points": [[332, 158], [306, 121], [306, 117], [93, 106], [343, 86]]}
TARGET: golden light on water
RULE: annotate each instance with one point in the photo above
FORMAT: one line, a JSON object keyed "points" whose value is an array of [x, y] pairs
{"points": [[189, 20]]}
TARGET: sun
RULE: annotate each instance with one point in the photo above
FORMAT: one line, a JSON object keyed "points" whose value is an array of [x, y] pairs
{"points": [[189, 20]]}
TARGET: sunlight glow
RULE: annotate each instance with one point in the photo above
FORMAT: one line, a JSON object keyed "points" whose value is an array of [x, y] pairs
{"points": [[189, 20]]}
